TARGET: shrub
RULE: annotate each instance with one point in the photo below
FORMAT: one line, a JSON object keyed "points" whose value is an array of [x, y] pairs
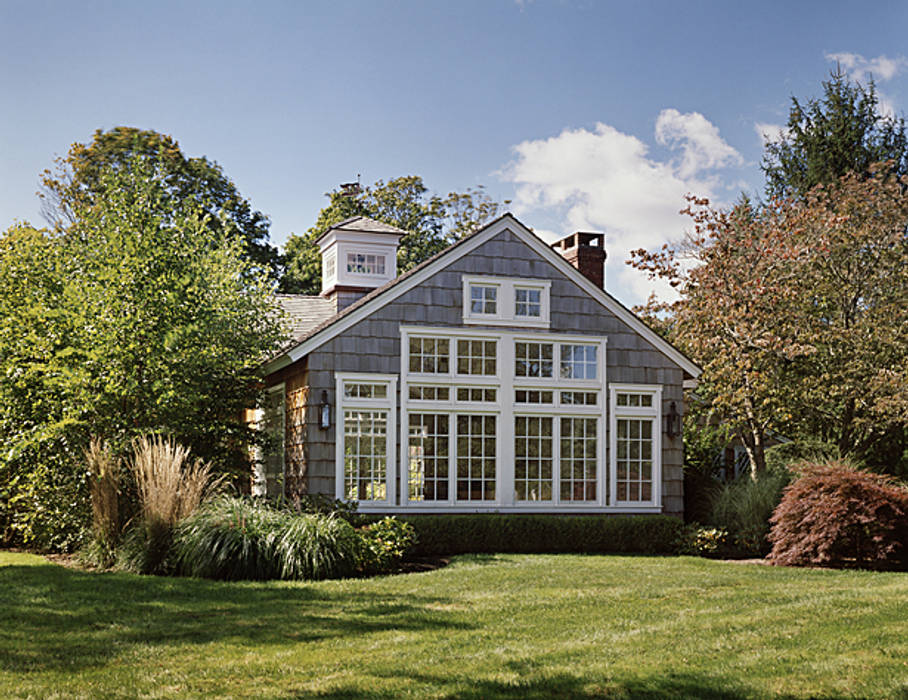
{"points": [[385, 543], [837, 515], [780, 459], [169, 488], [459, 534], [703, 541], [104, 493], [235, 538], [743, 508]]}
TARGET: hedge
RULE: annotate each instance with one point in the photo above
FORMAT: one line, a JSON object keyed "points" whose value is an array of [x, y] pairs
{"points": [[538, 534]]}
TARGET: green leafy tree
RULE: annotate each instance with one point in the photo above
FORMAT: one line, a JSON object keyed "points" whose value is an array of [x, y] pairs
{"points": [[825, 139], [139, 317], [77, 183], [433, 224]]}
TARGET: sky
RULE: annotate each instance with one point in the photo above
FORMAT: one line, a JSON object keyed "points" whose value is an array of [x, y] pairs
{"points": [[596, 116]]}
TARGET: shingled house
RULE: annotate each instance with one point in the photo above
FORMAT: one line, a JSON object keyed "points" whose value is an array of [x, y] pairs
{"points": [[498, 376]]}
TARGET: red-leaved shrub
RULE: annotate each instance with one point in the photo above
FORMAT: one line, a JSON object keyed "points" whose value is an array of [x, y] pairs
{"points": [[837, 515]]}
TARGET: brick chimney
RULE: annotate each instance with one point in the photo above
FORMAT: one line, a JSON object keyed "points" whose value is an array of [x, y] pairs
{"points": [[585, 250]]}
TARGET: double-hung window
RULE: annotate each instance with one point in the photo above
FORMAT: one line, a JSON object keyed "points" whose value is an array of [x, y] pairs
{"points": [[635, 443]]}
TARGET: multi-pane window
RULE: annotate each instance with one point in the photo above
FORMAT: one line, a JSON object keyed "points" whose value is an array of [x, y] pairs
{"points": [[483, 299], [476, 394], [578, 459], [420, 392], [578, 361], [634, 459], [533, 359], [634, 400], [363, 390], [365, 455], [365, 264], [476, 457], [538, 396], [528, 302], [428, 457], [330, 266], [429, 355], [476, 357], [533, 459], [579, 398]]}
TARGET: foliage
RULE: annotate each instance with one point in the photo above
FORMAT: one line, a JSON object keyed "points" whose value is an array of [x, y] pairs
{"points": [[845, 132], [236, 538], [837, 515], [743, 508], [795, 310], [78, 183], [485, 626], [705, 437], [385, 543], [703, 541], [457, 534], [322, 504], [104, 489], [137, 318], [782, 459], [432, 223], [170, 488]]}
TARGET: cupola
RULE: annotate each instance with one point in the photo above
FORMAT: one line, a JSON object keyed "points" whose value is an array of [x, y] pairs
{"points": [[358, 255]]}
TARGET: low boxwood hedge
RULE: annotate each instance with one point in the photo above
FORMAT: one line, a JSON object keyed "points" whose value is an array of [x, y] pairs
{"points": [[538, 534]]}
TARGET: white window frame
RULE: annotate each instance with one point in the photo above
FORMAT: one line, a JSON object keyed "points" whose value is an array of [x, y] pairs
{"points": [[654, 413], [388, 404], [506, 311]]}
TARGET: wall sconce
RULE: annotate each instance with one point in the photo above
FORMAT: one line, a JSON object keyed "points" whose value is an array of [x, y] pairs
{"points": [[673, 421], [324, 412]]}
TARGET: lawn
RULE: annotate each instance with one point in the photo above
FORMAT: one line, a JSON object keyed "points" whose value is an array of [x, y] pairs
{"points": [[483, 627]]}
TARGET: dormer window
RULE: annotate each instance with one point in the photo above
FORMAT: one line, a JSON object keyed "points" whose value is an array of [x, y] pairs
{"points": [[366, 264], [483, 299]]}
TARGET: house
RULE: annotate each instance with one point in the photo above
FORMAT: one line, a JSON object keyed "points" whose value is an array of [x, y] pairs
{"points": [[498, 376]]}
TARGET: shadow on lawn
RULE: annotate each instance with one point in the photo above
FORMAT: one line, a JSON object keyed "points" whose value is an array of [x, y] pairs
{"points": [[53, 618]]}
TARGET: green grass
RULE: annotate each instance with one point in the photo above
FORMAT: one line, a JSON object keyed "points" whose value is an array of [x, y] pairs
{"points": [[485, 627]]}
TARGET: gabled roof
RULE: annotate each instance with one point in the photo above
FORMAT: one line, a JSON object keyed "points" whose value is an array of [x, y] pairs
{"points": [[363, 224], [333, 326], [305, 312]]}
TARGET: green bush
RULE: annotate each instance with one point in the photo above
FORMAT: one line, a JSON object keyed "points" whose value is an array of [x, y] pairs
{"points": [[385, 543], [743, 508], [703, 541], [782, 458], [480, 533]]}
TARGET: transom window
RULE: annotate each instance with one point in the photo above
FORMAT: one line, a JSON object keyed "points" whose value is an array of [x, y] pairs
{"points": [[365, 264], [476, 457], [578, 459], [365, 455], [476, 394], [579, 361], [533, 359], [533, 460], [365, 391], [635, 400], [579, 398], [527, 302], [483, 299], [419, 392], [476, 357], [537, 396], [429, 355], [428, 452]]}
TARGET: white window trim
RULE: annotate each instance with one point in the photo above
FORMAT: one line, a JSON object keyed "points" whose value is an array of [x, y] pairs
{"points": [[348, 402], [506, 310], [655, 413], [259, 475]]}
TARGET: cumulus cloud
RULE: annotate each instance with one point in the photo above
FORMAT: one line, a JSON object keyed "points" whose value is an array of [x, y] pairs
{"points": [[606, 180], [880, 69], [769, 132]]}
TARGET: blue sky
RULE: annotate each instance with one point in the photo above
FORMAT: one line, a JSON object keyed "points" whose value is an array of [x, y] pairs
{"points": [[587, 115]]}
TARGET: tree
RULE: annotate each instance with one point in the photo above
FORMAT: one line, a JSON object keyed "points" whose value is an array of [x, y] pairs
{"points": [[841, 133], [796, 311], [140, 317], [433, 224], [76, 184]]}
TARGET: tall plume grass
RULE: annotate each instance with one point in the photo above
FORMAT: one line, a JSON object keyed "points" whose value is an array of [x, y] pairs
{"points": [[170, 487], [104, 488]]}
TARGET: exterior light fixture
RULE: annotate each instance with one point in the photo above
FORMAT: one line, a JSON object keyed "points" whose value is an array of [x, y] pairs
{"points": [[673, 421], [324, 412]]}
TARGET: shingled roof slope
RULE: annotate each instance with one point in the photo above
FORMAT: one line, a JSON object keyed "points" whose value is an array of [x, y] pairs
{"points": [[305, 313], [363, 224]]}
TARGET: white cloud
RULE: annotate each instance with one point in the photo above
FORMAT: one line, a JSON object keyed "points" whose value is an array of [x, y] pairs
{"points": [[606, 180], [880, 69], [769, 132]]}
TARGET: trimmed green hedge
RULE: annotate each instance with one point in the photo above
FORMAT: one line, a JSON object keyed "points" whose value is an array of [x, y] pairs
{"points": [[537, 534]]}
